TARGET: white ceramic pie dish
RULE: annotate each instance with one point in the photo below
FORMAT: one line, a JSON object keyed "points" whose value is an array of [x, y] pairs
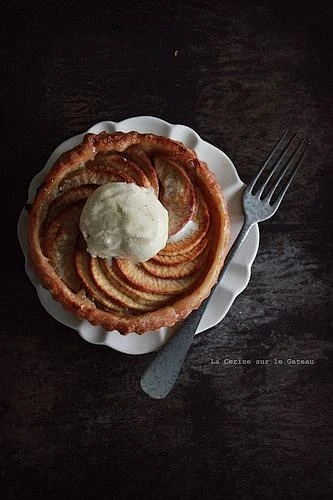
{"points": [[236, 277]]}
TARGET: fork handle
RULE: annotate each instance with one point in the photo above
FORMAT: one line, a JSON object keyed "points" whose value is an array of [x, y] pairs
{"points": [[162, 373]]}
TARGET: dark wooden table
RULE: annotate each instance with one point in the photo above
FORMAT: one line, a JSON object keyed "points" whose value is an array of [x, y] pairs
{"points": [[73, 420]]}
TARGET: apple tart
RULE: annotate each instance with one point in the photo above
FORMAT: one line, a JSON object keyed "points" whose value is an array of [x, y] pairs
{"points": [[119, 293]]}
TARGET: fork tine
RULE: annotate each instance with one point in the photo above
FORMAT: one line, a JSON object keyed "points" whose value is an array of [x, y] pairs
{"points": [[296, 158], [251, 185], [276, 165]]}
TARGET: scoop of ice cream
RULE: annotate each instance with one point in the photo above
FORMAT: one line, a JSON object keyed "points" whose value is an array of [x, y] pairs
{"points": [[124, 220]]}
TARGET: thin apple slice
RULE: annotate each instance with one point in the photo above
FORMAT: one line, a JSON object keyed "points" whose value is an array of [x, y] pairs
{"points": [[137, 155], [82, 264], [112, 272], [110, 287], [71, 196], [59, 244], [176, 192], [178, 258], [122, 165], [139, 277], [175, 271], [97, 175], [191, 236]]}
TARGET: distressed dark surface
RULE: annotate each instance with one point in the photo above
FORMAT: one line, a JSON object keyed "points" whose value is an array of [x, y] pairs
{"points": [[73, 421]]}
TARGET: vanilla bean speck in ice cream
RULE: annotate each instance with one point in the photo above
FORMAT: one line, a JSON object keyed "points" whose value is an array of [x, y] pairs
{"points": [[125, 221]]}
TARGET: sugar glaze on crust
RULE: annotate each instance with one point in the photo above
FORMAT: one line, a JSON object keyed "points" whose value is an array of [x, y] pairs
{"points": [[122, 295]]}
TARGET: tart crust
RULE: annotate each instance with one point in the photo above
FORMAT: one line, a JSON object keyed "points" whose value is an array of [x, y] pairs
{"points": [[139, 297]]}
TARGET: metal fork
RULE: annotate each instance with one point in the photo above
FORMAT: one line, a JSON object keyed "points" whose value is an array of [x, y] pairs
{"points": [[261, 199]]}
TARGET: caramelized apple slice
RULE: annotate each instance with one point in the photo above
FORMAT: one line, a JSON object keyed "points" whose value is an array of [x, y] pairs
{"points": [[177, 193], [178, 258], [59, 244], [71, 196], [191, 235], [136, 154], [94, 175], [82, 264], [122, 165], [109, 285], [138, 276], [175, 271], [112, 272]]}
